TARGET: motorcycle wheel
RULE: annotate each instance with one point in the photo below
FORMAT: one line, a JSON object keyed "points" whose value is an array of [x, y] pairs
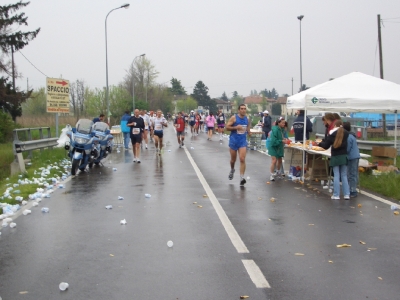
{"points": [[75, 165]]}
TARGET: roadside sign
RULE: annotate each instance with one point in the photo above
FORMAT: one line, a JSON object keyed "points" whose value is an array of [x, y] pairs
{"points": [[57, 95]]}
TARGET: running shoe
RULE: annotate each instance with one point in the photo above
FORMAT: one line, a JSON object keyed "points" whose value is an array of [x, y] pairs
{"points": [[183, 144], [335, 198], [231, 174], [242, 181], [138, 161], [180, 146], [347, 197], [146, 147], [272, 177], [134, 160]]}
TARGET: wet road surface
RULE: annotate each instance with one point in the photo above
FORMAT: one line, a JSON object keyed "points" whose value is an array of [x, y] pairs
{"points": [[238, 242]]}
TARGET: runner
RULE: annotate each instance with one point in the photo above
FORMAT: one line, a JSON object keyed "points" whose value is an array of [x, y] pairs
{"points": [[210, 122], [136, 124], [238, 125], [221, 123], [192, 121], [159, 123], [180, 129], [202, 119], [146, 119], [197, 125], [151, 125], [185, 116]]}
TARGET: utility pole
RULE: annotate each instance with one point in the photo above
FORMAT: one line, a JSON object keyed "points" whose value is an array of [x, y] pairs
{"points": [[292, 85], [381, 68]]}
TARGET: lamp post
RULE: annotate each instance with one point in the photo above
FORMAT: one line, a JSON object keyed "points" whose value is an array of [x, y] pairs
{"points": [[107, 94], [133, 82], [301, 66]]}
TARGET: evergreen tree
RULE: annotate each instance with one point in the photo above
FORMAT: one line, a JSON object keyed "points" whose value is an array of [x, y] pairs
{"points": [[176, 87]]}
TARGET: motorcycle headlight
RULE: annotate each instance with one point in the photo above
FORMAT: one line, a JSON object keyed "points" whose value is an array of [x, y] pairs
{"points": [[81, 140]]}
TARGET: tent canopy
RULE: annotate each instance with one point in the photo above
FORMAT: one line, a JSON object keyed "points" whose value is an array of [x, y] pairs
{"points": [[355, 92]]}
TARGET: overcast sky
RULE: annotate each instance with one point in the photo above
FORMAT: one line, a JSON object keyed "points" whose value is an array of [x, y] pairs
{"points": [[231, 45]]}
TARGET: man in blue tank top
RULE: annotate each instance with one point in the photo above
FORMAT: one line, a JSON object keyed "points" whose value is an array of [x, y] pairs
{"points": [[239, 127]]}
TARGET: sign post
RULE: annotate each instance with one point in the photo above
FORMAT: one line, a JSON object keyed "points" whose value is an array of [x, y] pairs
{"points": [[57, 97]]}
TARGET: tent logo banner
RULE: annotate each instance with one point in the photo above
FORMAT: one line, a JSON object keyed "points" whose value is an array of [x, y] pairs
{"points": [[314, 100]]}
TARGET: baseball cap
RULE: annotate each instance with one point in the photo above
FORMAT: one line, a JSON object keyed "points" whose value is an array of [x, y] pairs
{"points": [[266, 112], [192, 111]]}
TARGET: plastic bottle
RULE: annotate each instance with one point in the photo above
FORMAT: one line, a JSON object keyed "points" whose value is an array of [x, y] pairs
{"points": [[394, 207], [290, 174], [310, 145], [147, 195], [45, 209], [12, 225], [170, 244]]}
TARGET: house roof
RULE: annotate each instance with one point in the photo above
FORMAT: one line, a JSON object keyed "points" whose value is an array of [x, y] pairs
{"points": [[282, 100], [219, 101], [257, 100]]}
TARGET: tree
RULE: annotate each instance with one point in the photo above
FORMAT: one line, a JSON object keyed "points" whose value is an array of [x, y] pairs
{"points": [[224, 97], [276, 109], [253, 109], [264, 103], [303, 88], [200, 94], [12, 40], [77, 97], [176, 87], [11, 99], [272, 94], [143, 74], [186, 104], [36, 104], [235, 94]]}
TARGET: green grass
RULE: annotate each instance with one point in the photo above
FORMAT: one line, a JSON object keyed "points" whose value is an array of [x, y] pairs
{"points": [[386, 184], [39, 159]]}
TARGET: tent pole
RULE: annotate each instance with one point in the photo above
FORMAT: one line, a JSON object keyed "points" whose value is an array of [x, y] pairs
{"points": [[304, 142], [395, 134]]}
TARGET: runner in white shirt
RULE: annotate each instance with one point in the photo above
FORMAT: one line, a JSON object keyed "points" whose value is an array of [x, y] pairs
{"points": [[146, 120], [158, 125], [151, 125]]}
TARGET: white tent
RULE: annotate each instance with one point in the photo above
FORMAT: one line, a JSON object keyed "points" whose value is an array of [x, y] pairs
{"points": [[355, 92], [350, 93]]}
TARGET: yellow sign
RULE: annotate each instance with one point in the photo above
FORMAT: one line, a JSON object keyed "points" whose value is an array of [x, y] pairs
{"points": [[57, 95]]}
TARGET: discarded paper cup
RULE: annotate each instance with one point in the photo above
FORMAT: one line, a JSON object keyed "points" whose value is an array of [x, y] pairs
{"points": [[63, 286], [170, 244]]}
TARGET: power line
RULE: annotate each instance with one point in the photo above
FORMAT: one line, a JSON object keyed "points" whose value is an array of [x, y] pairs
{"points": [[32, 63], [390, 18]]}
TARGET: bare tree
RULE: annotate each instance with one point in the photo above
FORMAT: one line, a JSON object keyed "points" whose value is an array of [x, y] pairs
{"points": [[77, 97]]}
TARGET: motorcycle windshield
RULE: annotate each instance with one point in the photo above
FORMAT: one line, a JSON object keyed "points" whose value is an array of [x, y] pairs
{"points": [[84, 126], [100, 126]]}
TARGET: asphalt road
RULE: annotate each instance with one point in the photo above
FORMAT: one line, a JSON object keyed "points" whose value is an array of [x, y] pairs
{"points": [[236, 241]]}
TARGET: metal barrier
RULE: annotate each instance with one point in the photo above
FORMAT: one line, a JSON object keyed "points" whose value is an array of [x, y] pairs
{"points": [[22, 146]]}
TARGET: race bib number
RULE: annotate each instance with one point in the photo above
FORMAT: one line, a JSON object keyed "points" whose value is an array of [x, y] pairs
{"points": [[146, 123], [158, 127], [186, 118], [221, 118], [242, 130], [135, 130], [192, 118], [178, 126]]}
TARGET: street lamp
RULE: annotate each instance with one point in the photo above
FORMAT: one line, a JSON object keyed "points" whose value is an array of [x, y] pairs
{"points": [[107, 95], [133, 81], [301, 67]]}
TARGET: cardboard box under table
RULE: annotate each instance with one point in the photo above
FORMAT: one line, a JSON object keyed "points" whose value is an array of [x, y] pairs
{"points": [[255, 139], [293, 158], [318, 166], [383, 155]]}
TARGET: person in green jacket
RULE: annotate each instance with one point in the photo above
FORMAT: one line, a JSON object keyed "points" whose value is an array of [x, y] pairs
{"points": [[275, 149]]}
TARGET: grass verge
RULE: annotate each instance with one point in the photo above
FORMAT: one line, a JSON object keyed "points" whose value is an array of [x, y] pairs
{"points": [[39, 159]]}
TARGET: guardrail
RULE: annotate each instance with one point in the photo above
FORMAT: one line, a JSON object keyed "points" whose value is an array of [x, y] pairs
{"points": [[367, 145], [22, 146]]}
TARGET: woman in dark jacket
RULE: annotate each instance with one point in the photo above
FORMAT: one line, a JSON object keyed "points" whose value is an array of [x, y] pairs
{"points": [[337, 139]]}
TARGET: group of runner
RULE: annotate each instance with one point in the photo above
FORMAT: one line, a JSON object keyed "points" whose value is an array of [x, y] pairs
{"points": [[141, 124]]}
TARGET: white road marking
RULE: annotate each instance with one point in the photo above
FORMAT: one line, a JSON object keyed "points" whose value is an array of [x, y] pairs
{"points": [[377, 198], [255, 274], [230, 230]]}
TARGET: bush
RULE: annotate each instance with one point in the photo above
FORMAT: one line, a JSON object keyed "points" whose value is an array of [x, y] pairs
{"points": [[6, 127]]}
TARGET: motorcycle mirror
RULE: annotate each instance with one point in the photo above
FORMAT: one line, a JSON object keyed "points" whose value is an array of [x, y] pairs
{"points": [[74, 130]]}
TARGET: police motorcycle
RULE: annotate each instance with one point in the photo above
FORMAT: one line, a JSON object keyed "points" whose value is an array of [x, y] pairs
{"points": [[105, 143], [82, 145]]}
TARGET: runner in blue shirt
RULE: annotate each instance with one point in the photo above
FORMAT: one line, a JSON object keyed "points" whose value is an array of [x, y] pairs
{"points": [[239, 127]]}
